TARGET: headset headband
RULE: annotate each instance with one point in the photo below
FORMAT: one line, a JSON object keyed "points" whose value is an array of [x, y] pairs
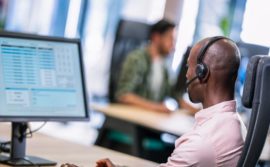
{"points": [[206, 46]]}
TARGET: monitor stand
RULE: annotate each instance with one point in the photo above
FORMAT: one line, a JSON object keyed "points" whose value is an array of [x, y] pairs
{"points": [[18, 146]]}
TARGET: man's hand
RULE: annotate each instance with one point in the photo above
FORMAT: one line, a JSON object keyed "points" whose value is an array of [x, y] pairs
{"points": [[68, 165], [160, 107], [105, 163]]}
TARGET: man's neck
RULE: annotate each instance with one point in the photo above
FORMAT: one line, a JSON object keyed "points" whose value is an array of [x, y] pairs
{"points": [[213, 98]]}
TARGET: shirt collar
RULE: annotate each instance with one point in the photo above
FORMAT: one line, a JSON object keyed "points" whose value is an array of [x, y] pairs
{"points": [[207, 113]]}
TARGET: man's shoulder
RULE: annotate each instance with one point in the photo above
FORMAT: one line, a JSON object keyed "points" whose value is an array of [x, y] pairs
{"points": [[137, 61], [139, 54]]}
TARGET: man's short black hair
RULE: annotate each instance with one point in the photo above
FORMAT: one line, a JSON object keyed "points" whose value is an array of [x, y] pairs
{"points": [[161, 27]]}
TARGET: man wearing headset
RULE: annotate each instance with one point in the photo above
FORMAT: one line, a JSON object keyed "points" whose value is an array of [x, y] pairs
{"points": [[216, 138]]}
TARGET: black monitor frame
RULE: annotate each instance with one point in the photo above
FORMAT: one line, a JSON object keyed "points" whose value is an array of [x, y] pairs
{"points": [[19, 123]]}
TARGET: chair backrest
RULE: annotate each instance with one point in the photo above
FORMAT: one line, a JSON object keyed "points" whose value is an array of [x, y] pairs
{"points": [[249, 50], [129, 36], [180, 84], [255, 95]]}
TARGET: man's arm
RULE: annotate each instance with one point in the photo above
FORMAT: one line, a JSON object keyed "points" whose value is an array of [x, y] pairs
{"points": [[191, 150], [133, 99]]}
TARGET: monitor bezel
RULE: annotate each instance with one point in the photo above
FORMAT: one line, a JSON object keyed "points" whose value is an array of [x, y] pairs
{"points": [[81, 64]]}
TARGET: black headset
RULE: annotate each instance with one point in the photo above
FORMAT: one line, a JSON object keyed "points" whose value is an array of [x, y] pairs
{"points": [[201, 68]]}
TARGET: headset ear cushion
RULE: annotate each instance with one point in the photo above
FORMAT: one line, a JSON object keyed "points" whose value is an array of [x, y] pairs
{"points": [[201, 70]]}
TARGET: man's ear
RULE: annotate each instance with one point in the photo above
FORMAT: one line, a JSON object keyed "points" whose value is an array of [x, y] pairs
{"points": [[207, 75], [154, 36]]}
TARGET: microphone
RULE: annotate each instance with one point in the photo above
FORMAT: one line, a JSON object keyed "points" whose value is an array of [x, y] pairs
{"points": [[189, 82]]}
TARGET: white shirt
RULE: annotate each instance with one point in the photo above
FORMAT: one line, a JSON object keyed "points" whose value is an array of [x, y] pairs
{"points": [[156, 77]]}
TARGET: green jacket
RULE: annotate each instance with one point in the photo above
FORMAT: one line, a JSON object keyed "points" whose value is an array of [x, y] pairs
{"points": [[134, 76]]}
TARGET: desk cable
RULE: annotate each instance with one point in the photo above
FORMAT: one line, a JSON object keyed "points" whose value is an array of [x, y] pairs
{"points": [[31, 132], [5, 146]]}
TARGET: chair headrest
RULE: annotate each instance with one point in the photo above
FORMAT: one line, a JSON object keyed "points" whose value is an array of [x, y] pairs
{"points": [[249, 85], [133, 30]]}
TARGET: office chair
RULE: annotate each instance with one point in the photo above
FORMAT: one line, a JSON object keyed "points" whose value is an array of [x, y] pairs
{"points": [[129, 36], [249, 50], [256, 96], [180, 84]]}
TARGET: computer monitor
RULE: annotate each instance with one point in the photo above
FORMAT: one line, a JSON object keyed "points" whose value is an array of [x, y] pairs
{"points": [[41, 79]]}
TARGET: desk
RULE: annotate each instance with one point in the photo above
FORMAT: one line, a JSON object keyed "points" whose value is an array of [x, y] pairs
{"points": [[62, 151], [176, 123], [133, 120]]}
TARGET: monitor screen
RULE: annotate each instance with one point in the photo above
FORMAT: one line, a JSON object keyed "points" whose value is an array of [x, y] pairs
{"points": [[41, 78]]}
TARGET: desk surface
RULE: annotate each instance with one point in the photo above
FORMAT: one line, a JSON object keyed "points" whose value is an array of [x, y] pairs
{"points": [[62, 151], [175, 123]]}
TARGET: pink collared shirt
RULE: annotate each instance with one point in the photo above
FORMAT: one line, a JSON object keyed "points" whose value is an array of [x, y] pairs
{"points": [[215, 140]]}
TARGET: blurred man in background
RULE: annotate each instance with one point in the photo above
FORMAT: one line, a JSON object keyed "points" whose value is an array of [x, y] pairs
{"points": [[144, 79]]}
